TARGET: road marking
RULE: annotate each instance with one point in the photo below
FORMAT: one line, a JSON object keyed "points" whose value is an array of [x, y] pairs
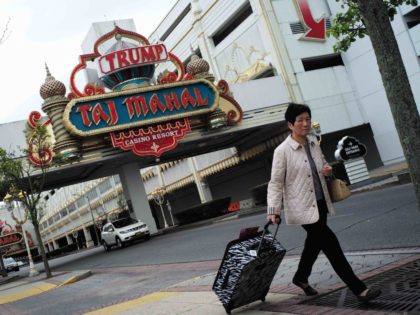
{"points": [[41, 288], [118, 308]]}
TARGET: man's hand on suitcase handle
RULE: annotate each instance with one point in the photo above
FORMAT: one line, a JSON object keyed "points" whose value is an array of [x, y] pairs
{"points": [[273, 218]]}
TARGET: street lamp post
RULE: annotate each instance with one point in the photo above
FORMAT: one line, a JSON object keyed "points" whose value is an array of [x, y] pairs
{"points": [[93, 220], [11, 205], [168, 205], [75, 235], [158, 197]]}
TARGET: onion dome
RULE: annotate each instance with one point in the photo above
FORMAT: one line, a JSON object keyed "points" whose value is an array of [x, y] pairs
{"points": [[197, 65], [51, 86], [135, 76]]}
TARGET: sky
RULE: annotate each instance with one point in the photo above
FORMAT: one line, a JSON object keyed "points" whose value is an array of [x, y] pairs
{"points": [[52, 31]]}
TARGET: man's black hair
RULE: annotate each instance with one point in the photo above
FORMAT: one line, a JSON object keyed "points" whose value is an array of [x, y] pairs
{"points": [[294, 110]]}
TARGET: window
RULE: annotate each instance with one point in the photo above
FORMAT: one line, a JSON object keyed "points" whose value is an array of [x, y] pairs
{"points": [[71, 208], [413, 18], [265, 74], [176, 23], [92, 194], [124, 222], [117, 179], [80, 202], [105, 185], [298, 28], [321, 62], [63, 212], [232, 24]]}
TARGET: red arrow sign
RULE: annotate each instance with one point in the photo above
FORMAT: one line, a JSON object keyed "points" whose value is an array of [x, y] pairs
{"points": [[316, 28]]}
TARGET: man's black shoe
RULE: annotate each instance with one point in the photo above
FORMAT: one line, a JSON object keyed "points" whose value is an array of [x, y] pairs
{"points": [[309, 291], [370, 295]]}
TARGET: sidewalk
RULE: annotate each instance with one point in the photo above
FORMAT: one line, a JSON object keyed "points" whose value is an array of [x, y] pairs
{"points": [[15, 288], [195, 296]]}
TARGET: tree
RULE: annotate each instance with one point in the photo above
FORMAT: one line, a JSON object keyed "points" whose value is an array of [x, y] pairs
{"points": [[25, 181], [373, 18]]}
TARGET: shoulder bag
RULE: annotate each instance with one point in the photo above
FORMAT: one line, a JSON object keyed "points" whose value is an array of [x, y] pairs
{"points": [[337, 189]]}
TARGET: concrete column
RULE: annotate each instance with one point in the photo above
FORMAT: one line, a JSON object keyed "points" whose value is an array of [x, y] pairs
{"points": [[136, 196], [55, 244], [69, 239], [206, 189], [202, 186], [169, 207], [163, 184], [88, 237]]}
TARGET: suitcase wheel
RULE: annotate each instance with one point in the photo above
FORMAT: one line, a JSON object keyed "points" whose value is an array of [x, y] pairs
{"points": [[228, 308]]}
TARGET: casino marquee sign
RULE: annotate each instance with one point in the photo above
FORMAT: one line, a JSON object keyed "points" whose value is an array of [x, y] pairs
{"points": [[137, 115]]}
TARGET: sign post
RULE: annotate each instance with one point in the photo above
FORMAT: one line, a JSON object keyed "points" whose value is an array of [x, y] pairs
{"points": [[352, 152]]}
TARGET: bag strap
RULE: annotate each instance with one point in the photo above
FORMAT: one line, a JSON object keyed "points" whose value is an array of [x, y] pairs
{"points": [[331, 177]]}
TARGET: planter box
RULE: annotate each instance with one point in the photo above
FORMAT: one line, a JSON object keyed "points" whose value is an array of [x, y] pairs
{"points": [[203, 211]]}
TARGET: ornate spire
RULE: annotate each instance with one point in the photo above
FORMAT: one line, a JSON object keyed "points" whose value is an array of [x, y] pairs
{"points": [[48, 71], [51, 86]]}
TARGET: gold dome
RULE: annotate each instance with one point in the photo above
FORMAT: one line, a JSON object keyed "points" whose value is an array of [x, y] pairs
{"points": [[51, 86]]}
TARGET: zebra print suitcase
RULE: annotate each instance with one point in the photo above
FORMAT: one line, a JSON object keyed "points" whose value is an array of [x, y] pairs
{"points": [[247, 269]]}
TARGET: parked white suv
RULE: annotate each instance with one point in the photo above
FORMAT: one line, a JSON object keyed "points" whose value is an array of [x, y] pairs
{"points": [[122, 231], [10, 264]]}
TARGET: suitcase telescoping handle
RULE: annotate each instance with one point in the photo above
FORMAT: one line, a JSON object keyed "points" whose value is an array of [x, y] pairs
{"points": [[265, 231]]}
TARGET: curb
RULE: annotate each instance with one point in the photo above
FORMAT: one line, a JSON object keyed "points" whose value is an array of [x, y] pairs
{"points": [[9, 279], [392, 181], [223, 217], [76, 278]]}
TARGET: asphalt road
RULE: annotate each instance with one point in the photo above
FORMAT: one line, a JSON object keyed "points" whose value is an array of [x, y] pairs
{"points": [[385, 218]]}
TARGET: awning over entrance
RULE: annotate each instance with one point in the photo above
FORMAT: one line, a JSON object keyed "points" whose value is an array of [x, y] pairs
{"points": [[256, 127]]}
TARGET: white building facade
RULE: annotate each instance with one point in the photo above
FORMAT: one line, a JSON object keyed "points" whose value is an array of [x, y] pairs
{"points": [[343, 90]]}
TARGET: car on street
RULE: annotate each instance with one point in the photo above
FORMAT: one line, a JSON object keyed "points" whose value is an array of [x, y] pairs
{"points": [[10, 264], [123, 231]]}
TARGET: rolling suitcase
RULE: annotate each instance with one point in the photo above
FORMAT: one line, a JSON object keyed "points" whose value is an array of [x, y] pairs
{"points": [[248, 268]]}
